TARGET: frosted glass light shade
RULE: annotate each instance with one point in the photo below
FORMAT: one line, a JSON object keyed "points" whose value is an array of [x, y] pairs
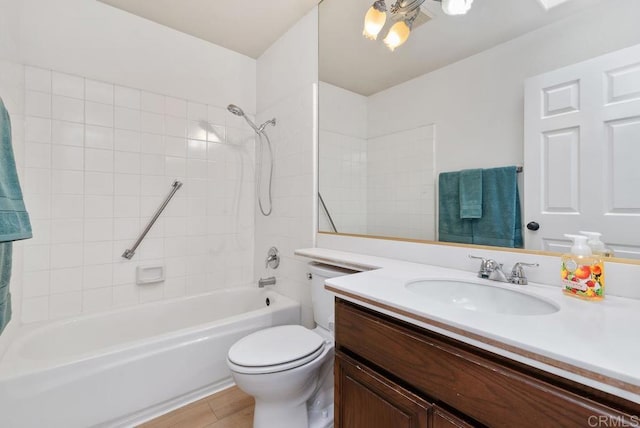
{"points": [[456, 7], [373, 22], [398, 34]]}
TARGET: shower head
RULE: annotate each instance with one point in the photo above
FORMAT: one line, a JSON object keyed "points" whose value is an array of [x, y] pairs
{"points": [[235, 110], [238, 112]]}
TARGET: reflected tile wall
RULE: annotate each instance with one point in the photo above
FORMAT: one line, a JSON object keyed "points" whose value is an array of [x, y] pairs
{"points": [[99, 159], [400, 184]]}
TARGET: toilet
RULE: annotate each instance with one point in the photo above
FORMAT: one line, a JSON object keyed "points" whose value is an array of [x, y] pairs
{"points": [[289, 369]]}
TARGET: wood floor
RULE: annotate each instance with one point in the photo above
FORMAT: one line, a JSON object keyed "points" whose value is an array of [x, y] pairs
{"points": [[230, 408]]}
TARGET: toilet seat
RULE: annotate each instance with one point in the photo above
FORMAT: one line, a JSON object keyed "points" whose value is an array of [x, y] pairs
{"points": [[275, 349]]}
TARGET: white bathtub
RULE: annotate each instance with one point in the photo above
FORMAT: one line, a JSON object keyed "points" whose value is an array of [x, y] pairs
{"points": [[123, 367]]}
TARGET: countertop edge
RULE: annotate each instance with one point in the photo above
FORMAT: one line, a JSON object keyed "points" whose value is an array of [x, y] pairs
{"points": [[587, 377]]}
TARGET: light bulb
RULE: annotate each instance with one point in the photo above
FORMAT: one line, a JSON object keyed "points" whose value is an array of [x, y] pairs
{"points": [[374, 20], [456, 7], [398, 34]]}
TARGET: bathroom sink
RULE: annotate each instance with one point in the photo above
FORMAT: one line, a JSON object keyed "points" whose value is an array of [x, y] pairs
{"points": [[481, 297]]}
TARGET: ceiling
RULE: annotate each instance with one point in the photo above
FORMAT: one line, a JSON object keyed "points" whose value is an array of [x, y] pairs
{"points": [[347, 59], [245, 26], [350, 61]]}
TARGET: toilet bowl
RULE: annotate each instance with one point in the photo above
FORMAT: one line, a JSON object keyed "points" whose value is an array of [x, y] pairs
{"points": [[289, 369], [289, 378]]}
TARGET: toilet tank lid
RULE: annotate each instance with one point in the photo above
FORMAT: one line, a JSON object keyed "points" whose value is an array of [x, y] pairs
{"points": [[274, 346], [329, 271]]}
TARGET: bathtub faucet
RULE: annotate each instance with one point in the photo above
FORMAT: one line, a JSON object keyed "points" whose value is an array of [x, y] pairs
{"points": [[266, 281], [273, 258]]}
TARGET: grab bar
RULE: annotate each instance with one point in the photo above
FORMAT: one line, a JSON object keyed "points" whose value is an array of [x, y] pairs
{"points": [[326, 211], [128, 253]]}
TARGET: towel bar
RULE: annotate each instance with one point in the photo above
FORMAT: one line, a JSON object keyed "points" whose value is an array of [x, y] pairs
{"points": [[326, 211], [129, 252]]}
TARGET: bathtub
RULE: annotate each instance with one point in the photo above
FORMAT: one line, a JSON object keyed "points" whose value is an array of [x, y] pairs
{"points": [[124, 367]]}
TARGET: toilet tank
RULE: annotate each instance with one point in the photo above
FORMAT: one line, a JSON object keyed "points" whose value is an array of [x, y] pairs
{"points": [[321, 299]]}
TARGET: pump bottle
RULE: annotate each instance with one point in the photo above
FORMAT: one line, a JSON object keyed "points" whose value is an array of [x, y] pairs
{"points": [[598, 247], [582, 272]]}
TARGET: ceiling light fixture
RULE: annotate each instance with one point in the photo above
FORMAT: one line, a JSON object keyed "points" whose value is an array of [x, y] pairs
{"points": [[404, 12], [456, 7], [374, 19]]}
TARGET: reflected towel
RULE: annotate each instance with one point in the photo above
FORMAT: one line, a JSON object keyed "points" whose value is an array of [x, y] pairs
{"points": [[5, 276], [451, 228], [471, 193], [500, 224], [14, 220]]}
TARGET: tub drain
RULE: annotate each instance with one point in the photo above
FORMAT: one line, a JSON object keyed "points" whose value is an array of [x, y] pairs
{"points": [[267, 301]]}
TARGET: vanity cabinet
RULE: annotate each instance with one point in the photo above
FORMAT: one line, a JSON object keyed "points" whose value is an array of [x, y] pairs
{"points": [[394, 374], [387, 404]]}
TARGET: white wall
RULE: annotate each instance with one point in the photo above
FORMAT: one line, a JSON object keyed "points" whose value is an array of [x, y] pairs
{"points": [[477, 103], [116, 108], [287, 88], [619, 275], [92, 39], [10, 25]]}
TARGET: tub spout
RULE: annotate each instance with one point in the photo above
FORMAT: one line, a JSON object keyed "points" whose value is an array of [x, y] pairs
{"points": [[266, 281]]}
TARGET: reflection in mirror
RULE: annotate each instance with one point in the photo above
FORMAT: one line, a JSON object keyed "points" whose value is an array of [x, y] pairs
{"points": [[452, 98]]}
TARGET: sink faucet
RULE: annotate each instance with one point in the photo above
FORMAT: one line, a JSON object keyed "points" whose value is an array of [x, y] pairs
{"points": [[491, 269]]}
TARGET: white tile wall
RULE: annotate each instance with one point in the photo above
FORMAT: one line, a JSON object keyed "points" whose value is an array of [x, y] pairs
{"points": [[287, 86], [400, 184], [342, 158], [369, 188], [99, 159], [343, 181], [290, 224]]}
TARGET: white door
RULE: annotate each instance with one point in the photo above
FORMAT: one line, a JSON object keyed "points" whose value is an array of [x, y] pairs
{"points": [[582, 153]]}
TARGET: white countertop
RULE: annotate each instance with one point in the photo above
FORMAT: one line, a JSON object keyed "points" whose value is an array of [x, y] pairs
{"points": [[594, 343]]}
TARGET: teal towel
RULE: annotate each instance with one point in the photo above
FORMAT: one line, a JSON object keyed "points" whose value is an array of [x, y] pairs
{"points": [[500, 224], [471, 193], [14, 220], [6, 249], [451, 228]]}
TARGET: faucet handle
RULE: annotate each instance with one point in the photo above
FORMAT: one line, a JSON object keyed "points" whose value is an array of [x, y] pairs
{"points": [[517, 273], [484, 271], [484, 260], [273, 258]]}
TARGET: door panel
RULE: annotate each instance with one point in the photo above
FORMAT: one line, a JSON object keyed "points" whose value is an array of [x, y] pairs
{"points": [[582, 153]]}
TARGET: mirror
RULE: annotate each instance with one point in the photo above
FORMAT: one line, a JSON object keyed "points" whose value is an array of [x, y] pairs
{"points": [[450, 98]]}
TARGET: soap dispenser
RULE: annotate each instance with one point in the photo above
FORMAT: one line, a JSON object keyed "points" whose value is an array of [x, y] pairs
{"points": [[598, 247], [582, 272]]}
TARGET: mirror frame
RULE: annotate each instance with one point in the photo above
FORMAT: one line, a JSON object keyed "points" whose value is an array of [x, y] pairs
{"points": [[472, 246]]}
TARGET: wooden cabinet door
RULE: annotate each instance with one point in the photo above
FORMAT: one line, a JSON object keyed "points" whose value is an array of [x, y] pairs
{"points": [[440, 418], [482, 386], [364, 399]]}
